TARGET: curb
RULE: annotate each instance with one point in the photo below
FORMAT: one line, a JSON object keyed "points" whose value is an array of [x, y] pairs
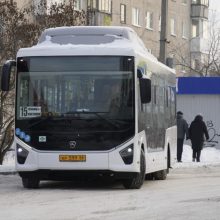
{"points": [[5, 173]]}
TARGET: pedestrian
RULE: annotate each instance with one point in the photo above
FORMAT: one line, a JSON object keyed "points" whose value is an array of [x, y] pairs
{"points": [[182, 132], [197, 131]]}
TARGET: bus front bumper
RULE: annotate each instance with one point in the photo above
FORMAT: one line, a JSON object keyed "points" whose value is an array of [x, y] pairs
{"points": [[76, 174]]}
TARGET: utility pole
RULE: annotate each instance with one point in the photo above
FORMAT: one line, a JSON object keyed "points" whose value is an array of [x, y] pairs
{"points": [[163, 32]]}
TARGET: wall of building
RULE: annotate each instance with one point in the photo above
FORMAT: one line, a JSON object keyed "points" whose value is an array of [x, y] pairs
{"points": [[150, 37], [208, 106], [181, 47], [178, 46], [201, 95]]}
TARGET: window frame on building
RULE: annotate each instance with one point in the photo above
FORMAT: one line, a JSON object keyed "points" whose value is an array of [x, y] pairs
{"points": [[173, 26], [149, 20], [92, 4], [136, 17], [159, 25], [195, 28], [184, 30], [105, 6], [200, 2], [122, 13], [78, 5]]}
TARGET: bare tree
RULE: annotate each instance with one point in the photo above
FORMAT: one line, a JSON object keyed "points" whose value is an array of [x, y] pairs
{"points": [[11, 18], [21, 28], [209, 62], [214, 46]]}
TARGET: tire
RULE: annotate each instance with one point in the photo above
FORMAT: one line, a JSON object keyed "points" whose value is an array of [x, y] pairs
{"points": [[149, 176], [160, 175], [30, 182], [168, 160], [137, 182]]}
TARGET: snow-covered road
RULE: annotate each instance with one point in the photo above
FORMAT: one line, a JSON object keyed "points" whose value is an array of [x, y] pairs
{"points": [[188, 193], [191, 191]]}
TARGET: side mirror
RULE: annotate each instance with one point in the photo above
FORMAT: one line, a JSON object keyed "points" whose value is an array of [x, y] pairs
{"points": [[145, 90], [6, 72], [140, 73]]}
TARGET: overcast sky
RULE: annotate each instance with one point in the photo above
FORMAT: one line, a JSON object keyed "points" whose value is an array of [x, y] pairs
{"points": [[214, 6]]}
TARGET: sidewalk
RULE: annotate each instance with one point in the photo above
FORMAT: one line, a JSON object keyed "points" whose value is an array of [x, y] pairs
{"points": [[8, 167], [7, 170]]}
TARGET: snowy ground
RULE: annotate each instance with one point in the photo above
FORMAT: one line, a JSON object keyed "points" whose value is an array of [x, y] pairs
{"points": [[190, 192], [8, 163], [187, 194], [209, 156]]}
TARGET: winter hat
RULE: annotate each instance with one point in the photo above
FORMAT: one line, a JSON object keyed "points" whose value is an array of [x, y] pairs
{"points": [[199, 117], [179, 113]]}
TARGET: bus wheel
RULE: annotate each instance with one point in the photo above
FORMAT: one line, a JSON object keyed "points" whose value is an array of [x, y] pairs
{"points": [[160, 175], [30, 182], [149, 176], [137, 182], [168, 160]]}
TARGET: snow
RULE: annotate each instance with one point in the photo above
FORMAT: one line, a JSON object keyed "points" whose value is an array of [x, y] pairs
{"points": [[210, 156], [117, 43], [119, 46], [187, 194], [8, 163]]}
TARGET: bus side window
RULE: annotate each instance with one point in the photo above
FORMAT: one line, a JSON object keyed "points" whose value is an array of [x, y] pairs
{"points": [[166, 97], [155, 94]]}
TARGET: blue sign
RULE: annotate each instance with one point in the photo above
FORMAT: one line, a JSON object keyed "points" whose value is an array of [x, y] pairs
{"points": [[27, 138], [17, 131], [22, 135], [198, 85]]}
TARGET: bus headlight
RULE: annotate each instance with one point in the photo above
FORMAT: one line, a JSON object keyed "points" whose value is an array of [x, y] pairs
{"points": [[127, 154], [21, 154]]}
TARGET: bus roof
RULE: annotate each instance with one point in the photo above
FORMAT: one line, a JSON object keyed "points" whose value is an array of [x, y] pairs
{"points": [[89, 40], [120, 40], [86, 31]]}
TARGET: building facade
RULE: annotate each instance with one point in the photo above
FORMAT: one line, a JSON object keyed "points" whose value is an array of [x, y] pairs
{"points": [[186, 28], [145, 18], [200, 33]]}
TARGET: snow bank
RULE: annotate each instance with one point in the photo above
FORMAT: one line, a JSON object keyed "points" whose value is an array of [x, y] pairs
{"points": [[8, 162], [209, 156]]}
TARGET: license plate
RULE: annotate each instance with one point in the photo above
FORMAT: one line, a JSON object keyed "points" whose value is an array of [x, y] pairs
{"points": [[72, 158]]}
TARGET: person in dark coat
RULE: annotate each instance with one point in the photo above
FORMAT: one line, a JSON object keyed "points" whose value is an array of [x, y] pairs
{"points": [[182, 131], [197, 131]]}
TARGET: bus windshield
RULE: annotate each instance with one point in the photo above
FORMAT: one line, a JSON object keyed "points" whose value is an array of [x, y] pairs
{"points": [[51, 90]]}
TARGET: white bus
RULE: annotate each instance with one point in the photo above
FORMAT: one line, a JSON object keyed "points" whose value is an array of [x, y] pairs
{"points": [[92, 101]]}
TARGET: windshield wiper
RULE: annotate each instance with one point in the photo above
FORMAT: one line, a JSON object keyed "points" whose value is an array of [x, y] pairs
{"points": [[39, 121], [105, 119], [97, 114], [113, 122]]}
